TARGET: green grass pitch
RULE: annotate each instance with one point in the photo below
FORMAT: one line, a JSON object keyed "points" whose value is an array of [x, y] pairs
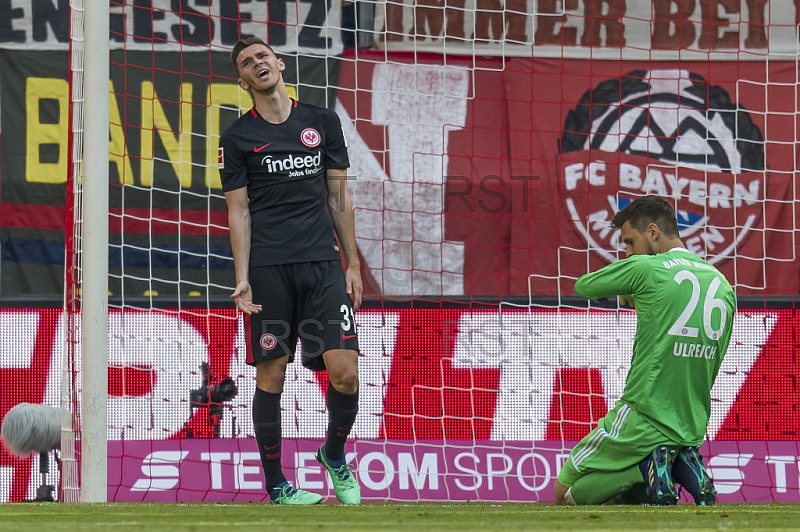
{"points": [[423, 517]]}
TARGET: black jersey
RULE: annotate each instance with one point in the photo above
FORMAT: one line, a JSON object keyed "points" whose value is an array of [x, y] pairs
{"points": [[284, 168]]}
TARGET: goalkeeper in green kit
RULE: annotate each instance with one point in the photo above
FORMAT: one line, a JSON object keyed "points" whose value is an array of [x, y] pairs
{"points": [[684, 307]]}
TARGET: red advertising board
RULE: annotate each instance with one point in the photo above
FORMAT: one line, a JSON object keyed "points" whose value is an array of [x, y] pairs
{"points": [[436, 377]]}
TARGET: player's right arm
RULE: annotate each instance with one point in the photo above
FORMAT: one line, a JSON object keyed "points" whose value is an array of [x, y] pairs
{"points": [[239, 227], [233, 174], [624, 277]]}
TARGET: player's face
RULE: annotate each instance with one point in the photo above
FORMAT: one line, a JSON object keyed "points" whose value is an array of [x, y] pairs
{"points": [[259, 68], [636, 243]]}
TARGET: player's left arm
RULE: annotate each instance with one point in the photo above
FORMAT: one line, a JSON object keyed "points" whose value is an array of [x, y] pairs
{"points": [[341, 208]]}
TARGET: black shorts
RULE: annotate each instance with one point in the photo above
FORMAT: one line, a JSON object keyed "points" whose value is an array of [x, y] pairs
{"points": [[306, 301]]}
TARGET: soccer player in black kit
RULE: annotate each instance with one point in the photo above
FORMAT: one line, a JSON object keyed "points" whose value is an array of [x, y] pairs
{"points": [[283, 167]]}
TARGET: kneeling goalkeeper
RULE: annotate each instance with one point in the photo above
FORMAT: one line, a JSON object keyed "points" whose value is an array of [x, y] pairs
{"points": [[685, 309]]}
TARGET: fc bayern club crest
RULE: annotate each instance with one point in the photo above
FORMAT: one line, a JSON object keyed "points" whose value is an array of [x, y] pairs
{"points": [[673, 134], [268, 341], [310, 137]]}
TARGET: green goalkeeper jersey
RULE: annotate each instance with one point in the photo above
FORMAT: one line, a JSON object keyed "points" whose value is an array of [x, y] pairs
{"points": [[684, 309]]}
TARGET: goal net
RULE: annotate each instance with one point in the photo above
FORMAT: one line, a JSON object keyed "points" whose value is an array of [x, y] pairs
{"points": [[490, 144]]}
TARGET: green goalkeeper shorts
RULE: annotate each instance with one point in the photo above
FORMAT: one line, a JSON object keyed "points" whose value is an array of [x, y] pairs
{"points": [[621, 440]]}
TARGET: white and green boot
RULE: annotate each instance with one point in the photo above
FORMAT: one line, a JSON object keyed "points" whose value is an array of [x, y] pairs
{"points": [[285, 493], [344, 483]]}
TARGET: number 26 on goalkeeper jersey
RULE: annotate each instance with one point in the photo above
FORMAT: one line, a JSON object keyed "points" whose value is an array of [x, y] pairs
{"points": [[685, 309]]}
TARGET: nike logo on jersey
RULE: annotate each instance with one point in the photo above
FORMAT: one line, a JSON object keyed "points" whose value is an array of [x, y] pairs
{"points": [[259, 148], [348, 336]]}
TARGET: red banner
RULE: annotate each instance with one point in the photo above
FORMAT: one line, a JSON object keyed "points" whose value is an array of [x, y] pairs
{"points": [[523, 162]]}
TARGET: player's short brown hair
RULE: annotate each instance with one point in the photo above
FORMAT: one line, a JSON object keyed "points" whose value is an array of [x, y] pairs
{"points": [[643, 211], [241, 44]]}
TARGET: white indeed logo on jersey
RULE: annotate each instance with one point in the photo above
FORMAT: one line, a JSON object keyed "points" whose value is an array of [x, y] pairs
{"points": [[669, 133], [295, 165], [160, 471]]}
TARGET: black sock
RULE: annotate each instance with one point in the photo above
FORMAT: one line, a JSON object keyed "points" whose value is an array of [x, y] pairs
{"points": [[342, 410], [267, 425], [636, 494]]}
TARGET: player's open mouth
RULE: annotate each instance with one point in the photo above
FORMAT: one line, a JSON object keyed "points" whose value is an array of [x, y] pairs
{"points": [[262, 73]]}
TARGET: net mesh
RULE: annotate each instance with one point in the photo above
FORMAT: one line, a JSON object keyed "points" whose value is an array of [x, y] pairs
{"points": [[69, 485]]}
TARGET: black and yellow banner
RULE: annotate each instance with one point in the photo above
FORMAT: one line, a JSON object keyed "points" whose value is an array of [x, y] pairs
{"points": [[166, 112]]}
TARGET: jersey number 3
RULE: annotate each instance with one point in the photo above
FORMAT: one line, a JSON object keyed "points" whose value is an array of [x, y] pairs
{"points": [[680, 327], [348, 317]]}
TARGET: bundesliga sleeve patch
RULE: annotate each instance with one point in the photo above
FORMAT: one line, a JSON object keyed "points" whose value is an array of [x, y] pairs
{"points": [[221, 158]]}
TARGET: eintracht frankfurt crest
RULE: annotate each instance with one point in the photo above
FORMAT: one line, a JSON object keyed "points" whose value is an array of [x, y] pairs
{"points": [[670, 133]]}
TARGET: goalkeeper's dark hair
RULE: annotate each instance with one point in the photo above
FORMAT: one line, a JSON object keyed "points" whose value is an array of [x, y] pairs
{"points": [[643, 211], [241, 44]]}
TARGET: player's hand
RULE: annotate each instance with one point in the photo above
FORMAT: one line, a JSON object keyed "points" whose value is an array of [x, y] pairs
{"points": [[243, 298], [352, 279], [627, 301]]}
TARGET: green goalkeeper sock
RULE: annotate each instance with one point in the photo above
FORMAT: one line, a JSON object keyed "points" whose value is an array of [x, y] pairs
{"points": [[600, 487]]}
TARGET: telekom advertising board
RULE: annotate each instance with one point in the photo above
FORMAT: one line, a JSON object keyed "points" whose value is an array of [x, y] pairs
{"points": [[455, 404]]}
